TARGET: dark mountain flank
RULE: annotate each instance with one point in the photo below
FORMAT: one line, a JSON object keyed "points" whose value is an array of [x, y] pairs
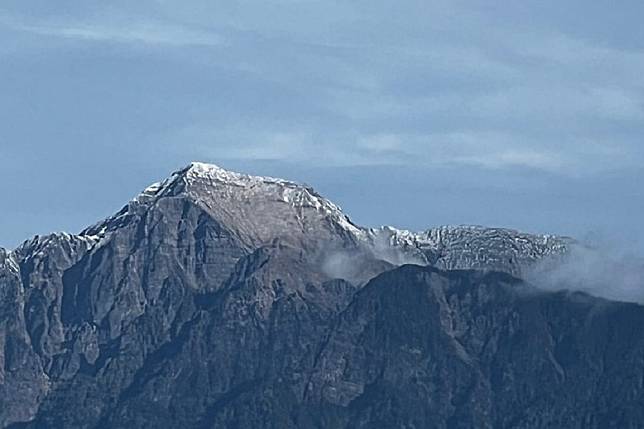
{"points": [[221, 300]]}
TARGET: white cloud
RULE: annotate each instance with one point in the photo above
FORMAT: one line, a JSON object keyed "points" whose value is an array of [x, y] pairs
{"points": [[481, 149], [515, 158]]}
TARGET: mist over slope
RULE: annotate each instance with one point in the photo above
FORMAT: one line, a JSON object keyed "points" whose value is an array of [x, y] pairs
{"points": [[600, 270]]}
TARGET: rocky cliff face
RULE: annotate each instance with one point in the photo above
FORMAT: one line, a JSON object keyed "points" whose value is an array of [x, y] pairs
{"points": [[216, 299]]}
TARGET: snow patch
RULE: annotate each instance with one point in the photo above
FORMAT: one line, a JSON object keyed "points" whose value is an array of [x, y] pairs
{"points": [[10, 262]]}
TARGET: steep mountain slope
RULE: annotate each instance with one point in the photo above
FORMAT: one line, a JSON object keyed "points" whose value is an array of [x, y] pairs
{"points": [[218, 299], [419, 347], [416, 347]]}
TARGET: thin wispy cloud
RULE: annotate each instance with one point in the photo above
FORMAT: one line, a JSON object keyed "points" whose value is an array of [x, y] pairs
{"points": [[146, 32], [300, 145]]}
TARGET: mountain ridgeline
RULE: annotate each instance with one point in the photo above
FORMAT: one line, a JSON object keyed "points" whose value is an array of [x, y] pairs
{"points": [[220, 300]]}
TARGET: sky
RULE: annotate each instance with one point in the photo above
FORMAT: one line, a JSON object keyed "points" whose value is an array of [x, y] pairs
{"points": [[527, 115]]}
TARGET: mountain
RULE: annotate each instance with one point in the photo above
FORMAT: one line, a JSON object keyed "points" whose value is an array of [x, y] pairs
{"points": [[217, 299]]}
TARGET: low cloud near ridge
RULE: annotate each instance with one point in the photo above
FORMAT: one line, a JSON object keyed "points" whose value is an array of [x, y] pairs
{"points": [[601, 271]]}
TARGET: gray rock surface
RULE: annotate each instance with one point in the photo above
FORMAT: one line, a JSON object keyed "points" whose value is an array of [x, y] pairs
{"points": [[215, 299]]}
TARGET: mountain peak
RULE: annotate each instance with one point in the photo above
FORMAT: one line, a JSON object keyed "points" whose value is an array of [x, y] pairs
{"points": [[212, 172], [258, 209], [198, 165], [208, 175]]}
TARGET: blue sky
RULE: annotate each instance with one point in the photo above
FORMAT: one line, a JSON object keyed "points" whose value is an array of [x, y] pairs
{"points": [[413, 113]]}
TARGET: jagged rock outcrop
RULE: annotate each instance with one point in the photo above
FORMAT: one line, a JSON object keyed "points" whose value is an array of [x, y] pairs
{"points": [[216, 299], [468, 247]]}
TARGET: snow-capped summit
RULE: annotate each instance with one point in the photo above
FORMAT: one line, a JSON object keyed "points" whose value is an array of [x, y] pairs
{"points": [[212, 175], [204, 181], [201, 170], [259, 209], [256, 209]]}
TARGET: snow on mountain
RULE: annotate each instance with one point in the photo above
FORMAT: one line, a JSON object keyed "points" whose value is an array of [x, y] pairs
{"points": [[8, 261]]}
